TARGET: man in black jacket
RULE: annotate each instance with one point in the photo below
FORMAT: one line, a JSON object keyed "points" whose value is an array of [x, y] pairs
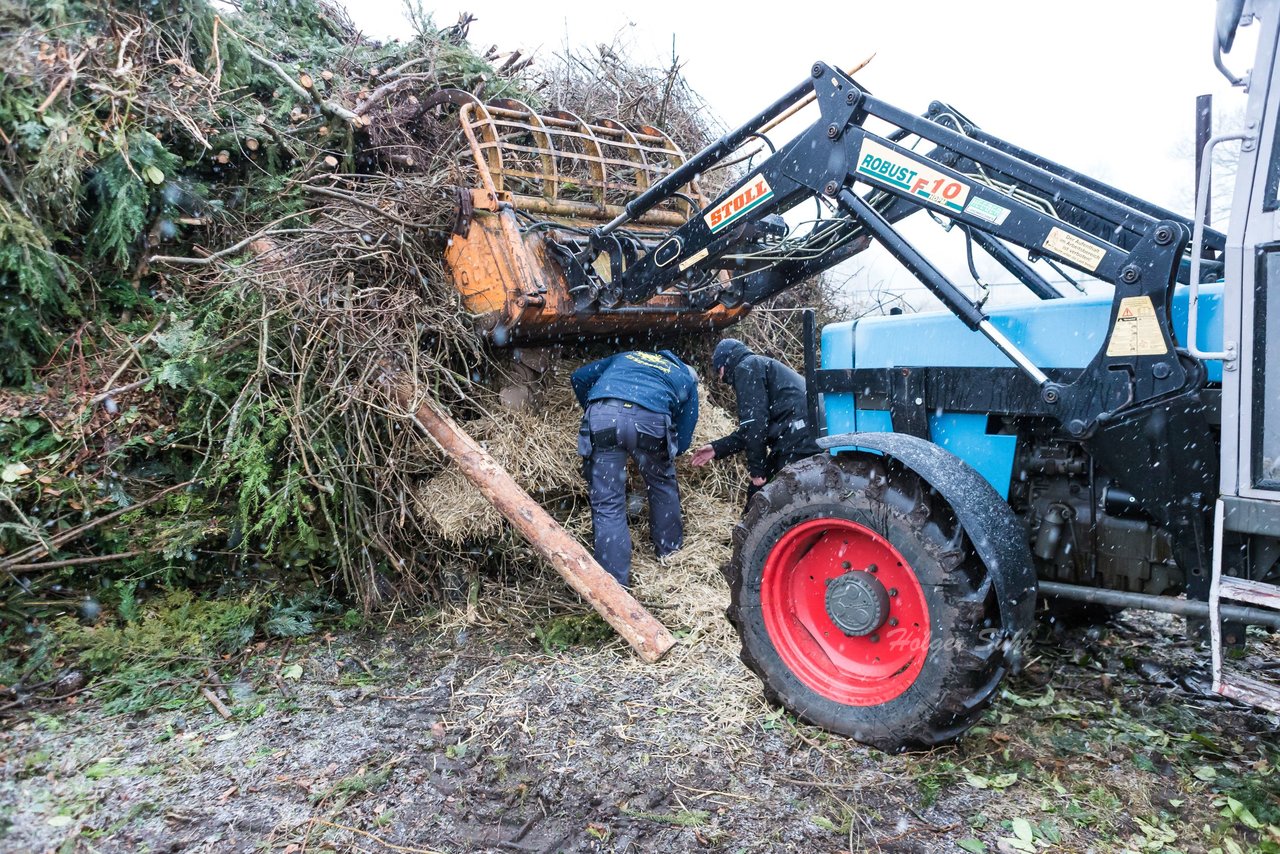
{"points": [[773, 427]]}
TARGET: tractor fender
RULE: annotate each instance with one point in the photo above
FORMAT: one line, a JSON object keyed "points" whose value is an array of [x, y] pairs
{"points": [[996, 534]]}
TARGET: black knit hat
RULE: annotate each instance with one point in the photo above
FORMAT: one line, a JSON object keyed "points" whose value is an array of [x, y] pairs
{"points": [[728, 353]]}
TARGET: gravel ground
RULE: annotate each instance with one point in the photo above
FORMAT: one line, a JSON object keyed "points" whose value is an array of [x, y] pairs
{"points": [[466, 733]]}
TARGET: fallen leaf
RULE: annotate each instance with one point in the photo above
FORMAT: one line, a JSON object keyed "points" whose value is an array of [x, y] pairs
{"points": [[292, 672], [13, 471], [1242, 812], [1003, 781]]}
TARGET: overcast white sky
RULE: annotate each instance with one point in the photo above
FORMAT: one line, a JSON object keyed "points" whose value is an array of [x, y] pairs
{"points": [[1107, 88]]}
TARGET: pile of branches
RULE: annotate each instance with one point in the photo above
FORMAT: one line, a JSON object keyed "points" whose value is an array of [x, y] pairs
{"points": [[605, 82], [220, 242]]}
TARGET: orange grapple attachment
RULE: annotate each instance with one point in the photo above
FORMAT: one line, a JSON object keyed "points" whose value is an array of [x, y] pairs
{"points": [[568, 174]]}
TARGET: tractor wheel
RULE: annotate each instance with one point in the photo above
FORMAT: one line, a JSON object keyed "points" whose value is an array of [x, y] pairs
{"points": [[862, 605]]}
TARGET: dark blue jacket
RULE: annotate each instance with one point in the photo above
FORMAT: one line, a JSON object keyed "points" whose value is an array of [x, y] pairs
{"points": [[659, 382]]}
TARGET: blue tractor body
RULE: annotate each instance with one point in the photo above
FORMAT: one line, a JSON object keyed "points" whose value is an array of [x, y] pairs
{"points": [[1063, 333]]}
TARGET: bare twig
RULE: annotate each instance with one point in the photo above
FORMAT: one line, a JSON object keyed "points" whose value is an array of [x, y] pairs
{"points": [[218, 705], [73, 68], [334, 194], [101, 396], [376, 96], [378, 839], [268, 230], [78, 561]]}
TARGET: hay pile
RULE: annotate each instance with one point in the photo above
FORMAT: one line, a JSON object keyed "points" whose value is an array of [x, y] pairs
{"points": [[685, 591], [537, 445]]}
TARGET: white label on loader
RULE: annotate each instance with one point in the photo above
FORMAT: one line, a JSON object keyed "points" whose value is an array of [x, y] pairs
{"points": [[1077, 250], [693, 259], [1137, 330], [987, 211]]}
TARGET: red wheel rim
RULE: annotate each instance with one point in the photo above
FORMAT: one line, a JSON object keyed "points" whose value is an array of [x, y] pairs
{"points": [[854, 671]]}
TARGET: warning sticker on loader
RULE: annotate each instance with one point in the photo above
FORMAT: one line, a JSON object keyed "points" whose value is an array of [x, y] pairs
{"points": [[889, 166], [1077, 250], [1137, 330]]}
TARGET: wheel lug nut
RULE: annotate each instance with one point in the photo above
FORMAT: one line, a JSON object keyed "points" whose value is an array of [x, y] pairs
{"points": [[873, 568], [893, 591], [844, 564], [875, 638], [893, 621]]}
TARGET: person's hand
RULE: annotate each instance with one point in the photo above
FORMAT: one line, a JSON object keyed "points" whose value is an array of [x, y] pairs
{"points": [[758, 481], [703, 455]]}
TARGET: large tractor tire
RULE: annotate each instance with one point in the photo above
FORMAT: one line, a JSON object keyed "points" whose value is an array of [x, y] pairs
{"points": [[863, 606]]}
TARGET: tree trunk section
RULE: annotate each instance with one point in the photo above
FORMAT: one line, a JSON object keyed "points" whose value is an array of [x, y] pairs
{"points": [[569, 558]]}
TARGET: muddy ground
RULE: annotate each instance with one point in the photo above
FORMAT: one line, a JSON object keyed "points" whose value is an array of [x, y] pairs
{"points": [[467, 732]]}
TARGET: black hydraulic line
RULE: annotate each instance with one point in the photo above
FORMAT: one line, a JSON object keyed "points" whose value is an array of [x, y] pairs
{"points": [[1020, 269], [722, 147], [1167, 604], [939, 285]]}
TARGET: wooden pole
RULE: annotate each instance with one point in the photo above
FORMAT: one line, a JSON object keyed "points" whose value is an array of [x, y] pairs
{"points": [[574, 563]]}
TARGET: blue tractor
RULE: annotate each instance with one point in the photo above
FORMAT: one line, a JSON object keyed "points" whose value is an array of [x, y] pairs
{"points": [[1110, 451]]}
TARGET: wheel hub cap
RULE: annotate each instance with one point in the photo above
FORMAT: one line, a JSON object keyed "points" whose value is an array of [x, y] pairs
{"points": [[857, 603], [831, 624]]}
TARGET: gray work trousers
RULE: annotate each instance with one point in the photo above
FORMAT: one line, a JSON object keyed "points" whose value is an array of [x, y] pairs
{"points": [[612, 431]]}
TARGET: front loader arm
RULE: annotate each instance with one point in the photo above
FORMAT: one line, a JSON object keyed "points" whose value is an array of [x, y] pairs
{"points": [[1136, 406]]}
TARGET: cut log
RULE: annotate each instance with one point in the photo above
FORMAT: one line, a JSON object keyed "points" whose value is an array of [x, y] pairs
{"points": [[569, 558]]}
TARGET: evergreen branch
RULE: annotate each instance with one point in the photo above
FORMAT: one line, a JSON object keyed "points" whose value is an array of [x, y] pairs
{"points": [[329, 107]]}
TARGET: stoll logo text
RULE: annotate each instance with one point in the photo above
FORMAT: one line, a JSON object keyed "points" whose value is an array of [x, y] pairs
{"points": [[754, 193]]}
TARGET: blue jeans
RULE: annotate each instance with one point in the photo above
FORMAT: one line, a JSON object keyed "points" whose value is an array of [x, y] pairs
{"points": [[612, 431]]}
